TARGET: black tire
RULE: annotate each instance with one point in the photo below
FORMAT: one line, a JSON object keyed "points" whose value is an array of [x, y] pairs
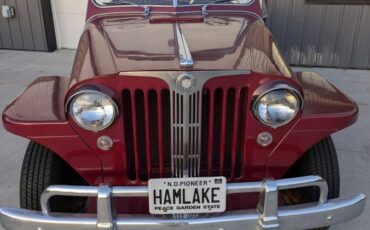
{"points": [[321, 160], [42, 168]]}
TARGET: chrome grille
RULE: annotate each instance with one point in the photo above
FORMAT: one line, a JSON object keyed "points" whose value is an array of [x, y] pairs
{"points": [[172, 133], [186, 136]]}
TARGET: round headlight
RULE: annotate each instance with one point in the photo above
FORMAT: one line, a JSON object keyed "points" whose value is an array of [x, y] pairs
{"points": [[92, 110], [278, 107]]}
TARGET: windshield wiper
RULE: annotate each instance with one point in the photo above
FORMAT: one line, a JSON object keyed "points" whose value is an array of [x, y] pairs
{"points": [[205, 7], [122, 2]]}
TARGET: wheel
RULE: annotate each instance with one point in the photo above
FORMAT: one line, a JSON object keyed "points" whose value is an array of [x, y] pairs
{"points": [[42, 168], [321, 160]]}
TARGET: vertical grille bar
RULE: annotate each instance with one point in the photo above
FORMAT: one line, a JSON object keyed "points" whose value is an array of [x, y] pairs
{"points": [[155, 130], [190, 138], [161, 151], [239, 162], [205, 123], [135, 140], [223, 132], [230, 126], [217, 131], [178, 134], [198, 136], [173, 135], [194, 137], [237, 98], [142, 138], [166, 129], [210, 131], [129, 135], [184, 137], [193, 140], [148, 126]]}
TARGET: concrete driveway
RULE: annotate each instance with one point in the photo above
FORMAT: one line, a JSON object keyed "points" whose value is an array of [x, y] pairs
{"points": [[18, 69]]}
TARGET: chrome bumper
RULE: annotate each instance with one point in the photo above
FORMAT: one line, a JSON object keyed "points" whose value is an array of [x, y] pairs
{"points": [[267, 215]]}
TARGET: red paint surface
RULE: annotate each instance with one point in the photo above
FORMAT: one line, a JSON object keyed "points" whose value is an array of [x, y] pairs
{"points": [[120, 43]]}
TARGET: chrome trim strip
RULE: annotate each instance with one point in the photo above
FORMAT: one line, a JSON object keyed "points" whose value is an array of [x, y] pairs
{"points": [[186, 158], [175, 13], [205, 6], [267, 215], [175, 4], [185, 57], [179, 140]]}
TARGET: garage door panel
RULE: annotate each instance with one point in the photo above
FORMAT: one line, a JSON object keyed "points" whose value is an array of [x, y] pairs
{"points": [[70, 7], [37, 25], [25, 25], [70, 29], [69, 18], [6, 39], [361, 52], [14, 27]]}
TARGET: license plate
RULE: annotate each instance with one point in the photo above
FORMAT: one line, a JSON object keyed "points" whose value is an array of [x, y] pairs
{"points": [[187, 195]]}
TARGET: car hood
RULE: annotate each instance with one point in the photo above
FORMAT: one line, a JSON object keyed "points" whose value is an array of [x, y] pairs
{"points": [[116, 44]]}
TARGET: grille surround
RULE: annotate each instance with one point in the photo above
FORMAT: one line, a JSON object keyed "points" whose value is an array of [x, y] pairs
{"points": [[186, 123]]}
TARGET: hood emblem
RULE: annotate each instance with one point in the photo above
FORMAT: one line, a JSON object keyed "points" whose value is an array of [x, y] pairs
{"points": [[186, 82]]}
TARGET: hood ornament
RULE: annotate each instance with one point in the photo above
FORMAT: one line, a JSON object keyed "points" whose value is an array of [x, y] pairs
{"points": [[186, 59]]}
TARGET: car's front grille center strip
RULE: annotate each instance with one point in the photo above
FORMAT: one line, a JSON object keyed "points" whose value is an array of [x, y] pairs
{"points": [[186, 138]]}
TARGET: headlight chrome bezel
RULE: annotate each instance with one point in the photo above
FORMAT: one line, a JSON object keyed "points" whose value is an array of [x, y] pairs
{"points": [[74, 96], [287, 87]]}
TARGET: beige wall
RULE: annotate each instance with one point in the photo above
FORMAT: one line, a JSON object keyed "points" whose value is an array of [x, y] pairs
{"points": [[69, 20]]}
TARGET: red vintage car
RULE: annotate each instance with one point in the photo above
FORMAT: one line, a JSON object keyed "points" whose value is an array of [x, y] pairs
{"points": [[180, 115]]}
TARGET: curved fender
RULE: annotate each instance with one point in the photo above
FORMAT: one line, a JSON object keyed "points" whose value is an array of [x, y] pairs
{"points": [[326, 111], [38, 114]]}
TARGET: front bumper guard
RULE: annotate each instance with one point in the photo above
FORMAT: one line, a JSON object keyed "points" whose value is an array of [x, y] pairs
{"points": [[267, 215]]}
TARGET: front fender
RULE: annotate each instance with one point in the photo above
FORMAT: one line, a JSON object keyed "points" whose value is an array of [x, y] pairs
{"points": [[326, 111], [38, 114]]}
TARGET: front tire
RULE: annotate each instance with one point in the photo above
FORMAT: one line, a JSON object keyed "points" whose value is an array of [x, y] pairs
{"points": [[42, 168], [321, 160]]}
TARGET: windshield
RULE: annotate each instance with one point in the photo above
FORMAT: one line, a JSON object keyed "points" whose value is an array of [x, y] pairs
{"points": [[167, 2]]}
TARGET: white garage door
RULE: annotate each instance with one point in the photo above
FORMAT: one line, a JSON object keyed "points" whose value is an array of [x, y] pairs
{"points": [[69, 20]]}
